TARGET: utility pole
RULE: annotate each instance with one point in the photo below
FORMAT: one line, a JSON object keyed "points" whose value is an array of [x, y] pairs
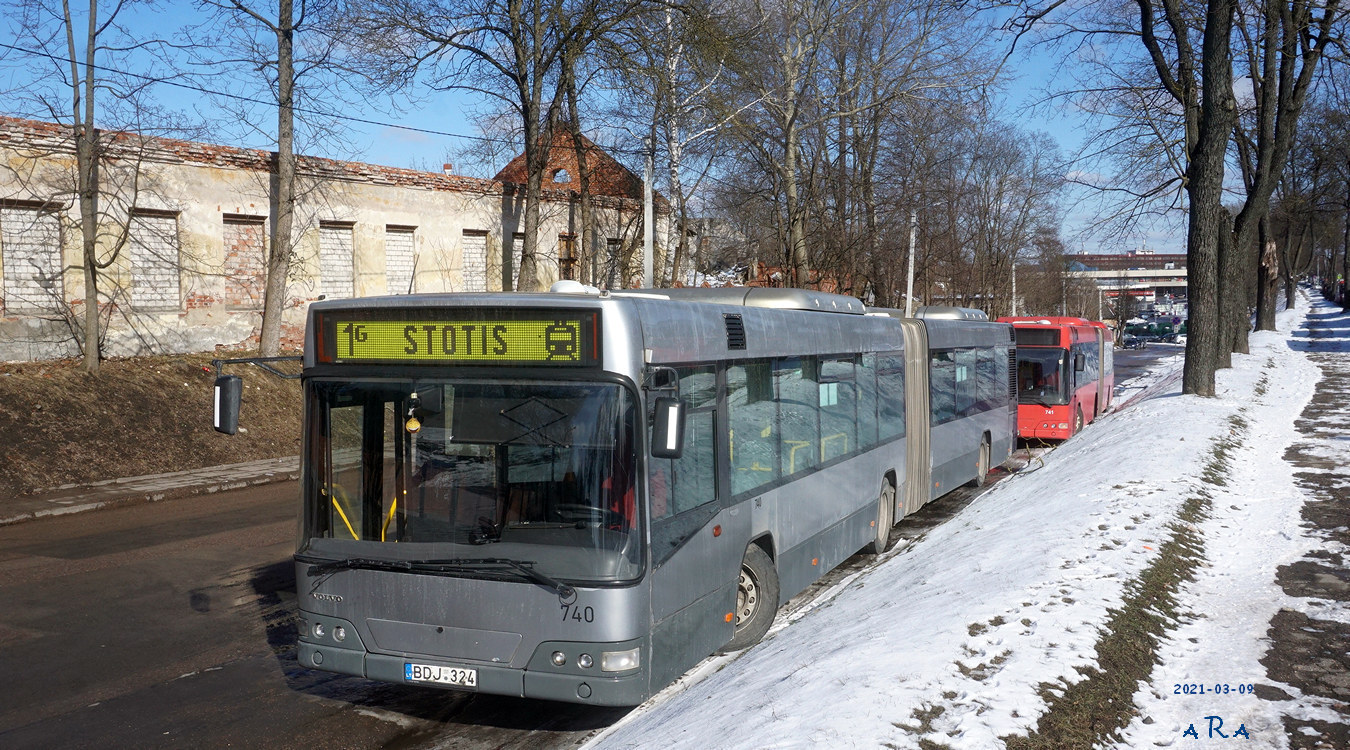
{"points": [[909, 283], [647, 213]]}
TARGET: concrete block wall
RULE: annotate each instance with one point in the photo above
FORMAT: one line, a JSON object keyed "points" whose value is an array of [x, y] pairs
{"points": [[31, 265], [399, 258], [154, 263]]}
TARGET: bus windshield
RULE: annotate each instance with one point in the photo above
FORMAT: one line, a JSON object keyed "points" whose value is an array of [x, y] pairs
{"points": [[541, 474], [1040, 376]]}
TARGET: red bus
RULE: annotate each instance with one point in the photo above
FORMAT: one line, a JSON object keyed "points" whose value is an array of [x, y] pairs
{"points": [[1065, 375]]}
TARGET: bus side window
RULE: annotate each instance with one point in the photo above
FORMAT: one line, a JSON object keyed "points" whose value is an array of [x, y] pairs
{"points": [[681, 484], [838, 409], [942, 385], [991, 388], [891, 395], [752, 417], [683, 490], [798, 413], [967, 384], [867, 401]]}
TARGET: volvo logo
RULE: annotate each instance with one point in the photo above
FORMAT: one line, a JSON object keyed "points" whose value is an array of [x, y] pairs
{"points": [[325, 597]]}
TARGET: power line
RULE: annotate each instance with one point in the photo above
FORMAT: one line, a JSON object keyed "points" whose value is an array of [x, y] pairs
{"points": [[240, 97]]}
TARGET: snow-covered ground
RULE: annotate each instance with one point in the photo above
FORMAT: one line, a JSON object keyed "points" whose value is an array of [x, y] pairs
{"points": [[952, 635]]}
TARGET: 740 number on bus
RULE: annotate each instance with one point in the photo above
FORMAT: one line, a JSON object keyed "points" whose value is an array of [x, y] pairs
{"points": [[577, 613]]}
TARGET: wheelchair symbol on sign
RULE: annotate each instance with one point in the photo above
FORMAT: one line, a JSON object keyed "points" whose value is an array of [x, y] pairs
{"points": [[560, 340]]}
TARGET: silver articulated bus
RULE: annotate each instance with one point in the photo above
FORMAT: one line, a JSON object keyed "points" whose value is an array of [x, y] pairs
{"points": [[579, 495]]}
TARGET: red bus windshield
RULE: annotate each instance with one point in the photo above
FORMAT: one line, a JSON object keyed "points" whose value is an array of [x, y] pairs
{"points": [[1041, 376]]}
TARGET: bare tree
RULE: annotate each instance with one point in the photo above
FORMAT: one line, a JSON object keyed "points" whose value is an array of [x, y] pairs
{"points": [[1190, 49], [72, 76], [508, 50], [291, 50], [1283, 42]]}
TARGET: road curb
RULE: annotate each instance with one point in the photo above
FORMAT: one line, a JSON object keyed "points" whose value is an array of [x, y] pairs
{"points": [[115, 493]]}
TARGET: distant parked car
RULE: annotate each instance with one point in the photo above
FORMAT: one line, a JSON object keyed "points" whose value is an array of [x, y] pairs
{"points": [[1131, 342], [1181, 338]]}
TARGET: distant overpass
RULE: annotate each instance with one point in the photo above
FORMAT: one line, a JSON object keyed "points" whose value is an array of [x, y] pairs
{"points": [[1142, 275]]}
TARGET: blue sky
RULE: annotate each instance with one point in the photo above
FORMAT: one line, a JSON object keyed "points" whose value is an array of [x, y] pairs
{"points": [[1036, 70]]}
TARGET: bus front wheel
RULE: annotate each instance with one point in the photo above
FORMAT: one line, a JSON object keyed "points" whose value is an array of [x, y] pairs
{"points": [[756, 599], [1078, 420], [885, 518]]}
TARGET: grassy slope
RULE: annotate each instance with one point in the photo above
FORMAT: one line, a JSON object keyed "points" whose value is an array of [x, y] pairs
{"points": [[142, 415]]}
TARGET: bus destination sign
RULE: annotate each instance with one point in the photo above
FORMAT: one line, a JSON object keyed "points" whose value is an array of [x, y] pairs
{"points": [[565, 338]]}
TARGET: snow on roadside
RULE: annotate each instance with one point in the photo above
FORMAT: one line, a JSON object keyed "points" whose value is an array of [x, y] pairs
{"points": [[952, 639], [1254, 527]]}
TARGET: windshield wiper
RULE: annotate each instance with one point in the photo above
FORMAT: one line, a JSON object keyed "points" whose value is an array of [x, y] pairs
{"points": [[320, 567], [453, 565]]}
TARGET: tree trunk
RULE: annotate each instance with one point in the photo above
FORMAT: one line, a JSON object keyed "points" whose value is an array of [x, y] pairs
{"points": [[676, 224], [797, 255], [279, 251], [1233, 290], [86, 149], [585, 232], [1204, 186], [86, 165], [1345, 253], [528, 278], [1266, 274]]}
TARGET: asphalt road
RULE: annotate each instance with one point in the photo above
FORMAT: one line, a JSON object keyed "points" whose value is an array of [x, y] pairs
{"points": [[172, 624], [1131, 363]]}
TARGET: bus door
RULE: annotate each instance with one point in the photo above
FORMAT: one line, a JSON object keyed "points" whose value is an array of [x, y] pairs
{"points": [[1105, 377], [696, 554]]}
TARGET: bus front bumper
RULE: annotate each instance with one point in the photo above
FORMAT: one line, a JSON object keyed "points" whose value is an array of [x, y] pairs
{"points": [[1046, 431], [592, 689]]}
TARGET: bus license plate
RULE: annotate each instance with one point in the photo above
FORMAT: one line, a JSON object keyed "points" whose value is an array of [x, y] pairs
{"points": [[457, 676]]}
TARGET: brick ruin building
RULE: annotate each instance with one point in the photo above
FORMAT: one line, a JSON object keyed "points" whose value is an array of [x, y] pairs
{"points": [[191, 220]]}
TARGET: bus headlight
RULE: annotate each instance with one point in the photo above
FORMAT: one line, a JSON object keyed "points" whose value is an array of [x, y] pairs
{"points": [[620, 661], [559, 658], [340, 633], [318, 630]]}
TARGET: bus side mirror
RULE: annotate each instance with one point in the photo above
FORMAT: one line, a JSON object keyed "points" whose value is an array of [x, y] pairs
{"points": [[1079, 363], [668, 428], [228, 390]]}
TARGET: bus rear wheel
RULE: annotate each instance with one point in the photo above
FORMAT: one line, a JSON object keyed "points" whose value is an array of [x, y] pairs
{"points": [[885, 518], [981, 465], [756, 599]]}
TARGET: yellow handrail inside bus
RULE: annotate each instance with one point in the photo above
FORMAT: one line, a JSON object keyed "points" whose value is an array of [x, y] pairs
{"points": [[792, 454], [825, 441], [392, 507], [332, 496]]}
